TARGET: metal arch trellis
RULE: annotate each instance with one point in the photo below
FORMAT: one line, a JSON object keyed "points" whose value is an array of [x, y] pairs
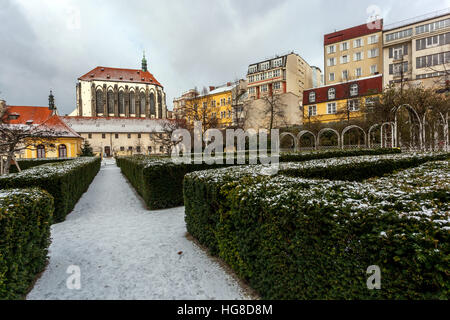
{"points": [[302, 133], [285, 134], [325, 130], [346, 129]]}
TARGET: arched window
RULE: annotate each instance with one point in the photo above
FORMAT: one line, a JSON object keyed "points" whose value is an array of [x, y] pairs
{"points": [[121, 103], [354, 90], [142, 104], [62, 151], [152, 104], [312, 96], [132, 103], [110, 102], [331, 93], [40, 151], [99, 101], [159, 105]]}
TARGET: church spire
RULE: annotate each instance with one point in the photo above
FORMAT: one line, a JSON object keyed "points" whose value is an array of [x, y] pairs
{"points": [[144, 63], [51, 101]]}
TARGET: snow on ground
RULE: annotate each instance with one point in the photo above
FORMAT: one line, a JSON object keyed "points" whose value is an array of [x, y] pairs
{"points": [[125, 251]]}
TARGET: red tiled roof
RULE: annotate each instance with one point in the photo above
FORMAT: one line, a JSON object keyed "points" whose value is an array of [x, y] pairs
{"points": [[353, 32], [123, 75], [40, 116], [365, 86]]}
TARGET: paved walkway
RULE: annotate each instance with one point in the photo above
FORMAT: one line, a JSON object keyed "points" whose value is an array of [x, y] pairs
{"points": [[124, 251]]}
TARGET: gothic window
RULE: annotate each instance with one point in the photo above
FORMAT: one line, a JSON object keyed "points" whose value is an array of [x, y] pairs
{"points": [[142, 104], [99, 101], [132, 103], [121, 103], [110, 102], [159, 105], [152, 104]]}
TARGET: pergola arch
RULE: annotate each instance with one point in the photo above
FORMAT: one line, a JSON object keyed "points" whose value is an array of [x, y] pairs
{"points": [[326, 130], [302, 133], [348, 128], [419, 120], [285, 134]]}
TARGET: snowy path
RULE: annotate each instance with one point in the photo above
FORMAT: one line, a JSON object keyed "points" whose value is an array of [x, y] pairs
{"points": [[127, 252]]}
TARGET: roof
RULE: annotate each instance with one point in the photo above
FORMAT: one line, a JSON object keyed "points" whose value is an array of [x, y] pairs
{"points": [[353, 32], [120, 75], [40, 116], [114, 124], [366, 86], [220, 90]]}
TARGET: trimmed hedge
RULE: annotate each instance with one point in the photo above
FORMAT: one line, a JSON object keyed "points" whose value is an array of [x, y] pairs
{"points": [[66, 181], [297, 238], [31, 163], [160, 181], [25, 219]]}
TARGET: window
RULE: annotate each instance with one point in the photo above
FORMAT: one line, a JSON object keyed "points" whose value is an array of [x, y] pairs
{"points": [[354, 90], [430, 27], [358, 43], [116, 136], [358, 72], [99, 101], [331, 108], [130, 148], [358, 56], [40, 151], [152, 104], [213, 103], [139, 135], [121, 103], [89, 135], [344, 46], [110, 102], [312, 96], [149, 149], [331, 62], [345, 75], [312, 111], [252, 69], [229, 100], [263, 76], [264, 88], [161, 149], [205, 105], [331, 93], [222, 101], [434, 41], [373, 69], [62, 151], [398, 68], [277, 86], [399, 35], [373, 39], [277, 63], [129, 135], [398, 52], [264, 65], [103, 136], [122, 148], [138, 149], [353, 105], [331, 76], [142, 104], [373, 53], [331, 49], [433, 60], [132, 103], [252, 90], [344, 59], [276, 73]]}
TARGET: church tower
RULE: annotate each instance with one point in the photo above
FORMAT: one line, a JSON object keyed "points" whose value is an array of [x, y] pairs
{"points": [[51, 102], [144, 63]]}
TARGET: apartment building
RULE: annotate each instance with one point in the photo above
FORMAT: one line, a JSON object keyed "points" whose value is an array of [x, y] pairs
{"points": [[418, 50], [281, 74], [353, 53]]}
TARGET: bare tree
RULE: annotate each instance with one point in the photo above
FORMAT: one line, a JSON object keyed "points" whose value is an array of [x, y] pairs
{"points": [[274, 107], [164, 138]]}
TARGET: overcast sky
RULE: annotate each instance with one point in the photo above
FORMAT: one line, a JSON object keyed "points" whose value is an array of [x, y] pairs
{"points": [[48, 44]]}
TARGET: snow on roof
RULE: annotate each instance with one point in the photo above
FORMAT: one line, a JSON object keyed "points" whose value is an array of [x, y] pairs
{"points": [[113, 124]]}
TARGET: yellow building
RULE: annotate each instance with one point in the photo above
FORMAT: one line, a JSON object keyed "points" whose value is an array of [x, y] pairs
{"points": [[353, 53], [214, 108], [341, 101], [63, 142]]}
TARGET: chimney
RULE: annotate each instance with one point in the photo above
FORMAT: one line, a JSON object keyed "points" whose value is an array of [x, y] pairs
{"points": [[211, 88], [228, 84]]}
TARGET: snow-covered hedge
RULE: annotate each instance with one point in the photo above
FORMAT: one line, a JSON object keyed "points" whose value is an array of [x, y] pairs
{"points": [[65, 181], [25, 219], [298, 238], [160, 181], [30, 163]]}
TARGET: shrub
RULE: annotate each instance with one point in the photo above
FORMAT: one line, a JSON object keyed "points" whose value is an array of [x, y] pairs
{"points": [[25, 219], [160, 181], [30, 163], [297, 238], [66, 181]]}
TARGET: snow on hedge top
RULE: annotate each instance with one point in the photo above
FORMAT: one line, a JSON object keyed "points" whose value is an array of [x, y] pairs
{"points": [[34, 194], [50, 169]]}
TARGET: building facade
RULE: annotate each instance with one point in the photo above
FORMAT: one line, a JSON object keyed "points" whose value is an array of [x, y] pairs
{"points": [[341, 101], [353, 53], [281, 74], [114, 92], [418, 50], [120, 136]]}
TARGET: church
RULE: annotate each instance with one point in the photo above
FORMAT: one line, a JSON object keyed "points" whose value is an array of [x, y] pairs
{"points": [[116, 92]]}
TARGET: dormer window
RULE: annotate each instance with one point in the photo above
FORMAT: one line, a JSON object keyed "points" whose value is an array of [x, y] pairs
{"points": [[354, 90], [331, 93], [312, 97], [29, 122], [13, 116]]}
